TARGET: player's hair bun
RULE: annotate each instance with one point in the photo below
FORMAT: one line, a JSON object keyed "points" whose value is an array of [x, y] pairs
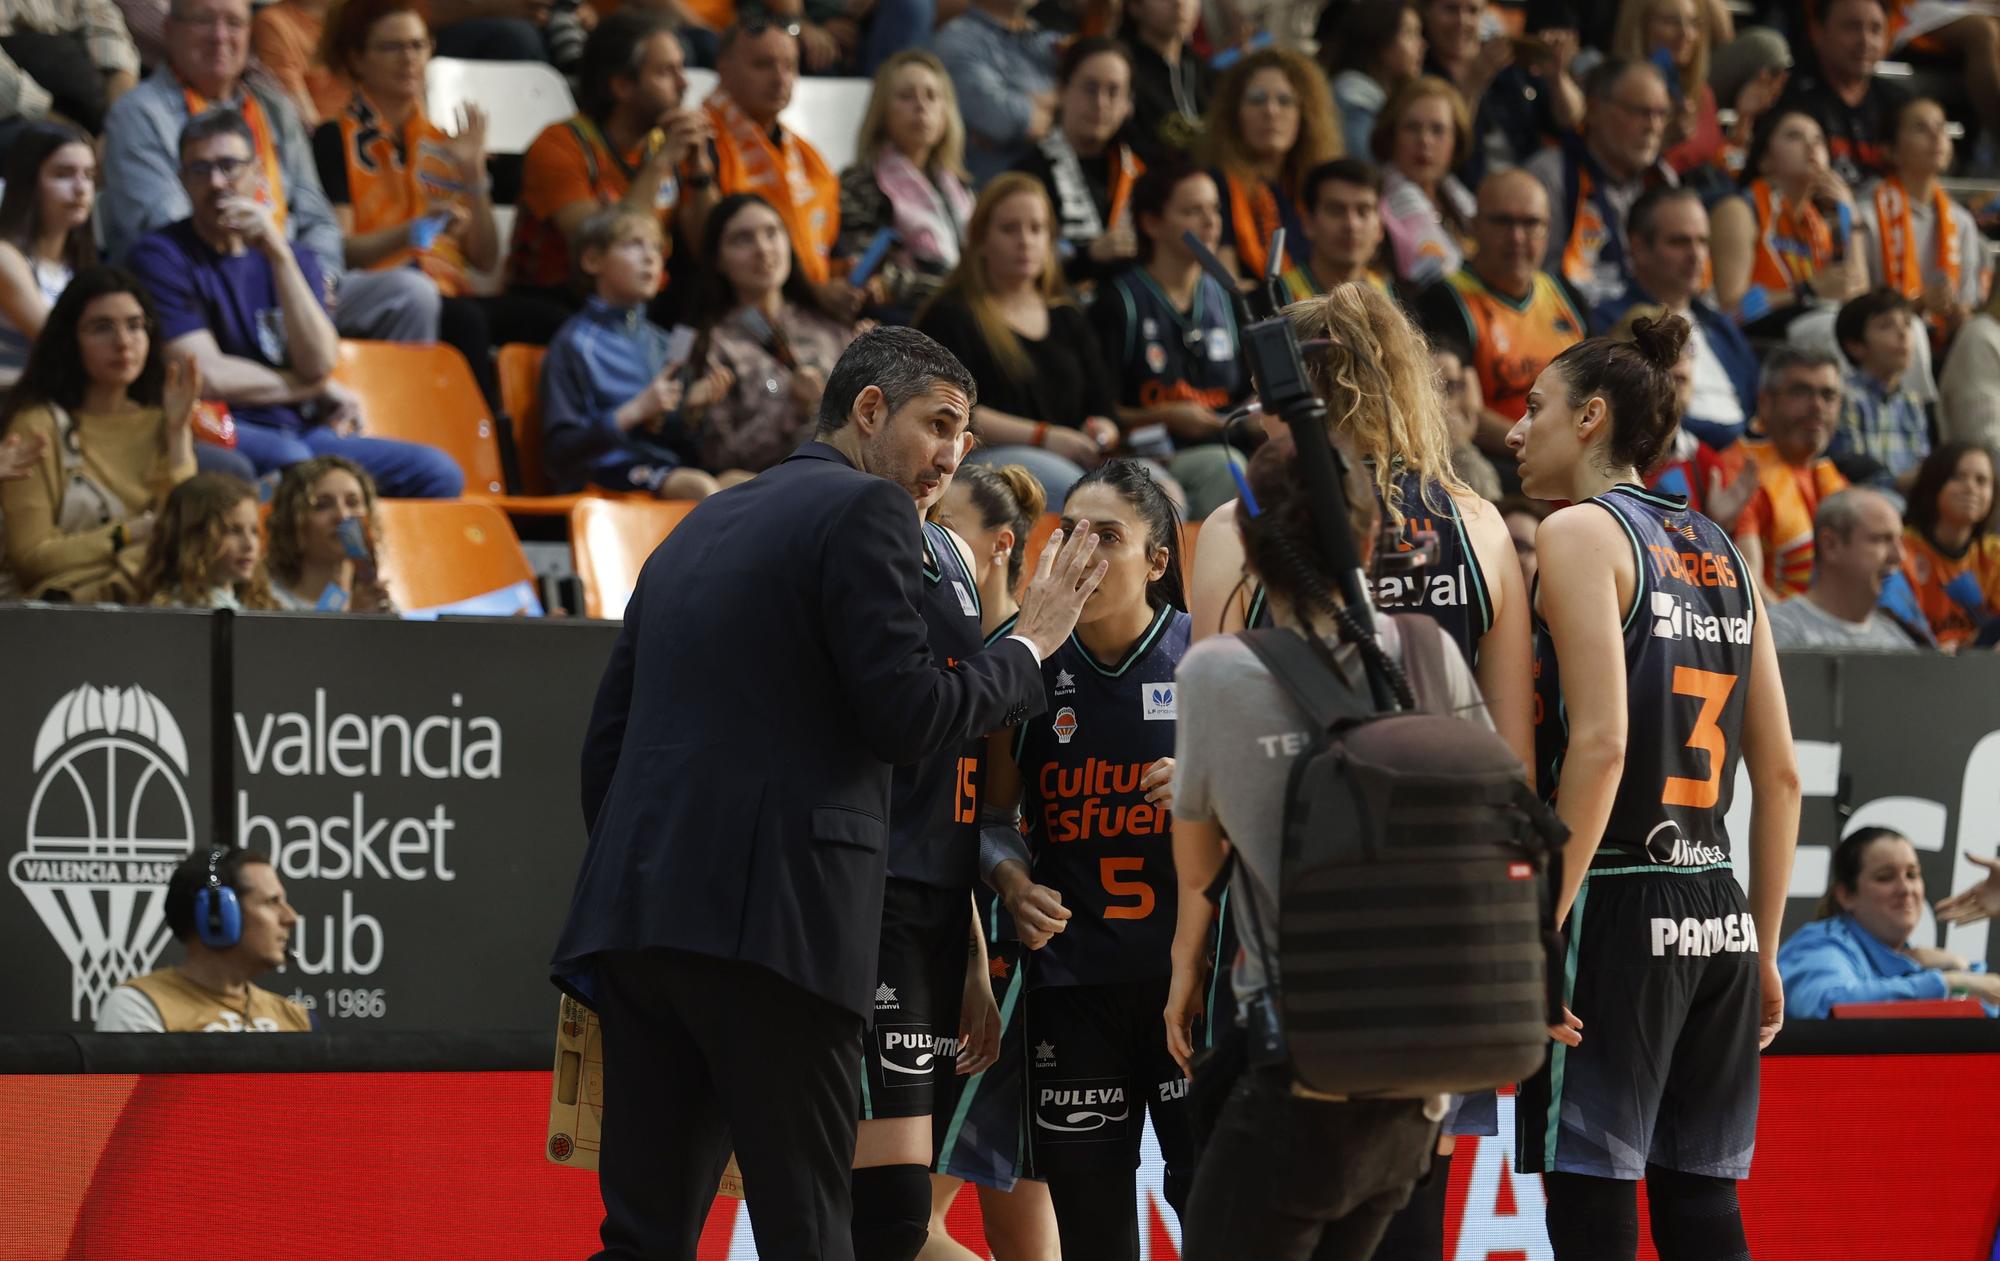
{"points": [[1661, 341], [1026, 489]]}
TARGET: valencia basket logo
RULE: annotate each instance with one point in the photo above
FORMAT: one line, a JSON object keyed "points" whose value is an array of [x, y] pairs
{"points": [[107, 822]]}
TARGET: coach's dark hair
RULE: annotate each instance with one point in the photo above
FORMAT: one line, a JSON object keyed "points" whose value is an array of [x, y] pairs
{"points": [[1153, 190], [1135, 483], [899, 361], [1635, 381], [1639, 220], [192, 875], [1850, 327], [616, 49], [220, 121], [1846, 870], [1005, 495], [1938, 468], [1356, 171]]}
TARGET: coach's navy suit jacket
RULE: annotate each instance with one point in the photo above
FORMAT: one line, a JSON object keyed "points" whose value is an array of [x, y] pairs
{"points": [[772, 668]]}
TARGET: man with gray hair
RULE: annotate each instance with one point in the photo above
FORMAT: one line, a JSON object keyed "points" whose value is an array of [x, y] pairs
{"points": [[1594, 179], [208, 48], [1859, 538]]}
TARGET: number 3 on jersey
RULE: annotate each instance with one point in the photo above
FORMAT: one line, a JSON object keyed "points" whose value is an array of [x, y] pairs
{"points": [[1712, 690], [1110, 871]]}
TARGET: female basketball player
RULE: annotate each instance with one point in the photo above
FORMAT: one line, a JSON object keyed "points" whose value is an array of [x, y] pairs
{"points": [[1472, 587], [993, 508], [1096, 893], [1654, 674]]}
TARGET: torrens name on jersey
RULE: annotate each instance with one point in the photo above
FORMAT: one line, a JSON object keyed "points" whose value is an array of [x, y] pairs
{"points": [[1696, 569], [1073, 807], [1726, 934], [1677, 617]]}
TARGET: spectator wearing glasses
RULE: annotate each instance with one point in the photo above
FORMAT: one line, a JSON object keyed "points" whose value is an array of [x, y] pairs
{"points": [[1087, 171], [111, 427], [1170, 82], [1798, 406], [1344, 228], [250, 307], [1787, 244], [1515, 316], [1421, 136], [1682, 38], [208, 48], [1593, 180], [1003, 65], [1271, 122], [1953, 554], [1369, 49], [46, 232], [73, 58], [1858, 547]]}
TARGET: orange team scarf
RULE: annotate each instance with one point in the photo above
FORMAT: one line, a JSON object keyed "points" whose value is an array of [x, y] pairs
{"points": [[272, 196], [790, 175], [1793, 242], [1253, 217], [1901, 269], [1939, 579], [393, 179], [1794, 496]]}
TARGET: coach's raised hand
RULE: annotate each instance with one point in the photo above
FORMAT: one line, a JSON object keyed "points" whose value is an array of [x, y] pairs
{"points": [[1064, 578]]}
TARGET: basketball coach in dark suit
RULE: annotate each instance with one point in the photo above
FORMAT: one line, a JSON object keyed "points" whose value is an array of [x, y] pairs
{"points": [[772, 668]]}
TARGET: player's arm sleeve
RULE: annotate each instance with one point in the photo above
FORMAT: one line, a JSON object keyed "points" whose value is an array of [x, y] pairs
{"points": [[1820, 975], [907, 707], [126, 1010], [606, 733]]}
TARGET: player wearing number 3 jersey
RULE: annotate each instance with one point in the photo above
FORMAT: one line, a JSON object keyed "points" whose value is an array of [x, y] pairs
{"points": [[1655, 673], [1096, 896]]}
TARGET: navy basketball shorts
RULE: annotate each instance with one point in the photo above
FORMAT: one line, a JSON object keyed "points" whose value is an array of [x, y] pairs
{"points": [[1662, 970], [981, 1133], [910, 1053], [1097, 1064]]}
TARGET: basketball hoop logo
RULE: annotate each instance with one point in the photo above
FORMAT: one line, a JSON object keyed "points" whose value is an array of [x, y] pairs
{"points": [[108, 821]]}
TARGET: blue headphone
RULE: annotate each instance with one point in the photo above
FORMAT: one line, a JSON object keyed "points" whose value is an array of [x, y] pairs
{"points": [[218, 916]]}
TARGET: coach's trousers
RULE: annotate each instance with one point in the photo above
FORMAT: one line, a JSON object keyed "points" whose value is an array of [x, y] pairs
{"points": [[701, 1054]]}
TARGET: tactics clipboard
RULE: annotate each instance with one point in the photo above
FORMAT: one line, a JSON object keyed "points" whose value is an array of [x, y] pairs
{"points": [[576, 1095]]}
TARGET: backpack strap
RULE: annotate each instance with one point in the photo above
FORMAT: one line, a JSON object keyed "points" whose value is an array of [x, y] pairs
{"points": [[1324, 697]]}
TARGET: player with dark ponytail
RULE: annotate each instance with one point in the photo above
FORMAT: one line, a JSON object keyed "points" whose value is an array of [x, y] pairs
{"points": [[1654, 674], [1090, 888]]}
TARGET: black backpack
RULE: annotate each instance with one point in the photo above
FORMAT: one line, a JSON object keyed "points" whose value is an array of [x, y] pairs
{"points": [[1416, 952]]}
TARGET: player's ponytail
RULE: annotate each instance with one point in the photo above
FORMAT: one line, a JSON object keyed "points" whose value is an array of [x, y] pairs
{"points": [[1135, 483], [1006, 495], [1635, 380], [1845, 870]]}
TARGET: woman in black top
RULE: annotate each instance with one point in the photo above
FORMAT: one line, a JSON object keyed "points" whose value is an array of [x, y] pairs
{"points": [[1043, 402]]}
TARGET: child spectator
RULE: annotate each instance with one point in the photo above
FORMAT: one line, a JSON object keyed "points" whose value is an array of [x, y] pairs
{"points": [[1458, 386], [1271, 122], [611, 398], [1879, 419], [908, 174], [1952, 555], [1857, 949], [46, 233], [1914, 237], [1044, 400], [207, 551], [764, 331], [113, 424], [1086, 170], [314, 567]]}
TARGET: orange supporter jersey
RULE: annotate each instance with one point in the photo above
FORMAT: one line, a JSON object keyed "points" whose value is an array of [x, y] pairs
{"points": [[786, 172], [1958, 594], [571, 162], [393, 178], [1780, 515], [1514, 339]]}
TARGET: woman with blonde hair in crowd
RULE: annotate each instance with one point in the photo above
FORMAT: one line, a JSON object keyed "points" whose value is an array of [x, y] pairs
{"points": [[207, 551], [909, 175], [113, 427], [325, 540], [1421, 136], [1044, 402], [1681, 34], [1271, 121]]}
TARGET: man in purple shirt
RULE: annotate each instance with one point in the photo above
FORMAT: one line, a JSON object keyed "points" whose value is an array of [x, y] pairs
{"points": [[250, 308]]}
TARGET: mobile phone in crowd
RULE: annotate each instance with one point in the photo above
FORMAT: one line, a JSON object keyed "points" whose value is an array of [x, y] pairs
{"points": [[871, 258]]}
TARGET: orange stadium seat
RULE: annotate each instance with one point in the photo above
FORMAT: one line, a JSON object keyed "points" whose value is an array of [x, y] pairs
{"points": [[426, 393], [454, 556], [611, 538], [521, 399]]}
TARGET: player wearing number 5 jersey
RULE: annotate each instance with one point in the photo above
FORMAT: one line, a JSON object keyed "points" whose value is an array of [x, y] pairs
{"points": [[1655, 673], [1094, 892]]}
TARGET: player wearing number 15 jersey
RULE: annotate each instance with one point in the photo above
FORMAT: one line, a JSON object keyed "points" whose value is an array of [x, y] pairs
{"points": [[1655, 674], [1096, 896]]}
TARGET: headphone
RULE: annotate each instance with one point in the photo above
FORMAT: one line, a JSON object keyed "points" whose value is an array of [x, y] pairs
{"points": [[218, 915]]}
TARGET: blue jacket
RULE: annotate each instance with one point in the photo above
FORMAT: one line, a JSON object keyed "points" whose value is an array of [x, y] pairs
{"points": [[1724, 338], [1832, 961]]}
